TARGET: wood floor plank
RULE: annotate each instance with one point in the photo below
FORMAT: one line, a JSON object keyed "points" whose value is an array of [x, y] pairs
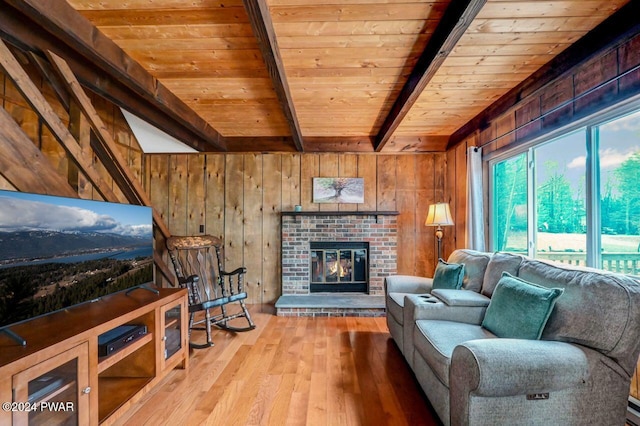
{"points": [[291, 371], [282, 400]]}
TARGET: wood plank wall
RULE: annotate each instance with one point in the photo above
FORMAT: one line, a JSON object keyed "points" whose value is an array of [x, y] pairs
{"points": [[602, 81], [239, 197]]}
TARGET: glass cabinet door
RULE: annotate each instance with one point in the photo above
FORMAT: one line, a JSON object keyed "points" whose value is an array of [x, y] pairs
{"points": [[173, 339], [55, 391]]}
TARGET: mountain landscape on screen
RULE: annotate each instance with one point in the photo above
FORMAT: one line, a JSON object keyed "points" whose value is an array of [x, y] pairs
{"points": [[57, 252]]}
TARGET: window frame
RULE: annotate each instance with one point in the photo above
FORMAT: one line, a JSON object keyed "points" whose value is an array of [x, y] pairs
{"points": [[590, 126]]}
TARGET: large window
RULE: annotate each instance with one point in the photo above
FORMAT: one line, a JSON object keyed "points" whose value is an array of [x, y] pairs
{"points": [[574, 198]]}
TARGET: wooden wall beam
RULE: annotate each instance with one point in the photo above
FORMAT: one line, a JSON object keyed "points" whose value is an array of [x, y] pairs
{"points": [[618, 27], [24, 166], [58, 87], [260, 19], [107, 150], [36, 99], [167, 273], [76, 34], [454, 22]]}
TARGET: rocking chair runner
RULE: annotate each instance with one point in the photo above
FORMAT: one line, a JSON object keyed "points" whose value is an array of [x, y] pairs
{"points": [[198, 264]]}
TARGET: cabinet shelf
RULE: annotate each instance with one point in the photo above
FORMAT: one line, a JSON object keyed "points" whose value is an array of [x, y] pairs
{"points": [[171, 322], [110, 360], [116, 391]]}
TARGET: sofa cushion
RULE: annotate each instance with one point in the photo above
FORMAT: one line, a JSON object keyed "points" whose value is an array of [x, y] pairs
{"points": [[595, 311], [519, 309], [434, 341], [448, 275], [499, 263], [475, 264]]}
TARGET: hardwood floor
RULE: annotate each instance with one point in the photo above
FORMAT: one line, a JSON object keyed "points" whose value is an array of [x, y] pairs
{"points": [[291, 371]]}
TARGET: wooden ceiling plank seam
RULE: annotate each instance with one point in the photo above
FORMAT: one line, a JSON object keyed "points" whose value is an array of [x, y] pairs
{"points": [[46, 113], [111, 156], [260, 19], [176, 31], [357, 12], [67, 24], [146, 4], [547, 9], [614, 30], [306, 2], [456, 19], [160, 17], [347, 28]]}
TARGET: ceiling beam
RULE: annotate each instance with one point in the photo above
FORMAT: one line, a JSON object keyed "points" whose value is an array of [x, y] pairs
{"points": [[73, 35], [260, 19], [454, 22], [618, 28]]}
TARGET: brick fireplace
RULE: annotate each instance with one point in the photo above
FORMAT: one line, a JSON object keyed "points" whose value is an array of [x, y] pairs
{"points": [[306, 254]]}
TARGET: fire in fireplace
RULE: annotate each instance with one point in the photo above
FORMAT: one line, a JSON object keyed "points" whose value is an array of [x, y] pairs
{"points": [[339, 266]]}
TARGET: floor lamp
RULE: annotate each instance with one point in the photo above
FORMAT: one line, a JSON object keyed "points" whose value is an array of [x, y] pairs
{"points": [[439, 215]]}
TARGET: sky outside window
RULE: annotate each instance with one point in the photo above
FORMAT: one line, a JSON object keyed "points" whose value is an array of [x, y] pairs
{"points": [[619, 189]]}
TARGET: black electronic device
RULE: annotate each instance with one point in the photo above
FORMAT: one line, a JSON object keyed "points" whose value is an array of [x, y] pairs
{"points": [[119, 337]]}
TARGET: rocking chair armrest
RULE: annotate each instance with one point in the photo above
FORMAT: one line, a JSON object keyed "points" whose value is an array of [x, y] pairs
{"points": [[189, 279], [238, 271]]}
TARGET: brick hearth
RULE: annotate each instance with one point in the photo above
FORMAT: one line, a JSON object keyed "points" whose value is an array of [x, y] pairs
{"points": [[379, 229]]}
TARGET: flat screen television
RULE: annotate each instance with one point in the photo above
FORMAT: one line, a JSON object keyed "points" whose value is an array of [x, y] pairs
{"points": [[56, 252]]}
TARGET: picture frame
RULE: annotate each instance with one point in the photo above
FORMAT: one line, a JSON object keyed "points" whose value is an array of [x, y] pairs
{"points": [[339, 190]]}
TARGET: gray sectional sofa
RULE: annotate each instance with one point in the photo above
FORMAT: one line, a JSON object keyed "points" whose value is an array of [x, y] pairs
{"points": [[578, 372]]}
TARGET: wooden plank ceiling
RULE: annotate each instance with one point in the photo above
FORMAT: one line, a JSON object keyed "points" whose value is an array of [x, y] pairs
{"points": [[324, 75]]}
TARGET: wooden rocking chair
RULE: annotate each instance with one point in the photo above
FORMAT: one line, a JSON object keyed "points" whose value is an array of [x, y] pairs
{"points": [[198, 264]]}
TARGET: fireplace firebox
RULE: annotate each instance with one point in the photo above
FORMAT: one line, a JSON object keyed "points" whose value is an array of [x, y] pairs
{"points": [[338, 266]]}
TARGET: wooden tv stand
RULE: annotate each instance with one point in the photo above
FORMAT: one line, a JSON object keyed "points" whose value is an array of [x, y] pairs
{"points": [[59, 374]]}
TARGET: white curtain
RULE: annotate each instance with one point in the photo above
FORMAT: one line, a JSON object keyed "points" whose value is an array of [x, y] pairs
{"points": [[475, 198]]}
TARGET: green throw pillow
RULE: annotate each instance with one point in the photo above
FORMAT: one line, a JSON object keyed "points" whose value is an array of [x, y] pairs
{"points": [[519, 309], [448, 275]]}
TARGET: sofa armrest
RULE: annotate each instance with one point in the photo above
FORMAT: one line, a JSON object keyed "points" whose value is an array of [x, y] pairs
{"points": [[407, 284], [417, 307], [507, 367], [461, 297]]}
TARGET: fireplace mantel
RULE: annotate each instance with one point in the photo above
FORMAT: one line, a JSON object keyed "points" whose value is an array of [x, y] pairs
{"points": [[341, 213]]}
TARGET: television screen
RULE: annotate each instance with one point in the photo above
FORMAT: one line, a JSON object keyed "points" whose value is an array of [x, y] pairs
{"points": [[56, 252]]}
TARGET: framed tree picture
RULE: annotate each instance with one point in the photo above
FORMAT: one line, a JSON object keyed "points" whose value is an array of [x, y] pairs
{"points": [[338, 190]]}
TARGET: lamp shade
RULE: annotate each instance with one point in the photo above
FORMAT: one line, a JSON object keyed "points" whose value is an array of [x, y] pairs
{"points": [[439, 215]]}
